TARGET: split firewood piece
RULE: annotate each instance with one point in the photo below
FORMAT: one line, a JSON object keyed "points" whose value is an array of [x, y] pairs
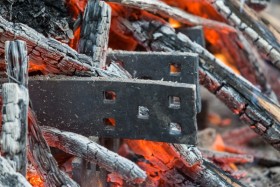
{"points": [[166, 11], [224, 157], [9, 177], [262, 43], [47, 54], [15, 106], [259, 112], [95, 31], [41, 158], [83, 147], [189, 155]]}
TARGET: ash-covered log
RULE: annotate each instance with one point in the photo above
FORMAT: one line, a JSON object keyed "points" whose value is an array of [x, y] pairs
{"points": [[83, 147], [95, 31], [15, 106], [9, 177]]}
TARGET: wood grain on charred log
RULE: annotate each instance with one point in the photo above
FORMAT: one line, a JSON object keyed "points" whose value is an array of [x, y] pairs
{"points": [[89, 150], [15, 106], [9, 177], [95, 31]]}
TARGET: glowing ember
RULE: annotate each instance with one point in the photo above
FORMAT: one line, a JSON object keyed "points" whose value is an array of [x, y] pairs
{"points": [[34, 179]]}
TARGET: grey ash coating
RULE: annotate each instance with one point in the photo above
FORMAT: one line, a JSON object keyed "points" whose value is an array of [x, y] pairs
{"points": [[49, 17]]}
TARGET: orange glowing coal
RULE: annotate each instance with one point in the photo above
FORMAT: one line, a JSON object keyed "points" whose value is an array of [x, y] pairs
{"points": [[34, 179]]}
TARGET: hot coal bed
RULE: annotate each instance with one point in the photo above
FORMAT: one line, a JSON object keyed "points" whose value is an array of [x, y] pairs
{"points": [[139, 93]]}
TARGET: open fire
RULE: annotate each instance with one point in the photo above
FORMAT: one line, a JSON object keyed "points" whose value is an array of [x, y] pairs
{"points": [[75, 40]]}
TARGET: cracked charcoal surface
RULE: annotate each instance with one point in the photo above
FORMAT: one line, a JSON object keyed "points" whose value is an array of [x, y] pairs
{"points": [[49, 17]]}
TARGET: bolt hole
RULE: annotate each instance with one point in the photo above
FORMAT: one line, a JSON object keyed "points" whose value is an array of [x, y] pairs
{"points": [[146, 78], [109, 96], [175, 69], [110, 123], [174, 102], [175, 128], [143, 112]]}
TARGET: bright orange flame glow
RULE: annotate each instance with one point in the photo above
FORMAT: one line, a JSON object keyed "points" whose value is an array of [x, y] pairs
{"points": [[222, 58], [34, 179], [174, 23], [76, 7]]}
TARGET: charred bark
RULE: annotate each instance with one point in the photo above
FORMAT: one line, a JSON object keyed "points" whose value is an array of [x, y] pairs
{"points": [[260, 40], [83, 147], [49, 54], [15, 106], [95, 31], [259, 112]]}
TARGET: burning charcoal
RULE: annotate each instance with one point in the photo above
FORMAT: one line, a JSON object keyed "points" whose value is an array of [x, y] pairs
{"points": [[48, 17]]}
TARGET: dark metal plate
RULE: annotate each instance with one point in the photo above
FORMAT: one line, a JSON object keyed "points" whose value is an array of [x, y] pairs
{"points": [[196, 34], [160, 66], [110, 108]]}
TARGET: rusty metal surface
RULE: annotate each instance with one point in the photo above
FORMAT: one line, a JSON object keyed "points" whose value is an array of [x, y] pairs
{"points": [[80, 105], [157, 66]]}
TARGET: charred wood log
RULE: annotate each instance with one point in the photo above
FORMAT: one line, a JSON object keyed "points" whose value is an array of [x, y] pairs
{"points": [[41, 158], [167, 11], [95, 31], [49, 54], [9, 177], [259, 112], [264, 45], [14, 132], [89, 150], [224, 157], [15, 106]]}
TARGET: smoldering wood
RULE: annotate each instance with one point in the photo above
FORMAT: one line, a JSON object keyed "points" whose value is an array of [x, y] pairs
{"points": [[9, 177], [95, 31], [254, 19], [56, 57], [15, 106], [263, 44], [241, 97], [224, 157], [167, 11], [199, 174], [87, 149], [41, 158]]}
